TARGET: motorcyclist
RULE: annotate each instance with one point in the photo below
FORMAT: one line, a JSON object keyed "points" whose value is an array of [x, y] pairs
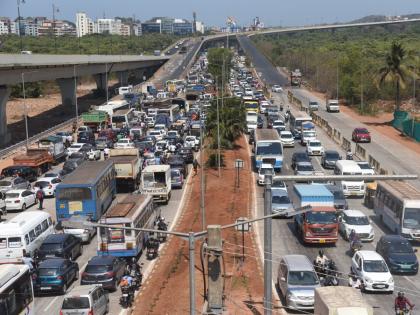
{"points": [[402, 303], [321, 259], [152, 244], [355, 282], [353, 238], [349, 155], [162, 224], [27, 260], [134, 265]]}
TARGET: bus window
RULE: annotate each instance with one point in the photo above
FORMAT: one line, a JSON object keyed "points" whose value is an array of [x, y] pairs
{"points": [[15, 242], [3, 242], [74, 194]]}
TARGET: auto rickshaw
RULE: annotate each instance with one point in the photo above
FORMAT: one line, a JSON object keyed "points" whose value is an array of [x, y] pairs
{"points": [[370, 194]]}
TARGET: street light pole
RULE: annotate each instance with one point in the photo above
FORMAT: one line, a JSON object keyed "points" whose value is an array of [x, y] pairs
{"points": [[191, 247], [75, 95], [106, 81], [55, 37], [267, 247], [203, 210], [25, 110], [19, 26], [218, 131]]}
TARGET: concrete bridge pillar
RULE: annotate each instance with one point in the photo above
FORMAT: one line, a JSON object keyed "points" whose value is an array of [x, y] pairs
{"points": [[68, 91], [100, 79], [122, 78], [139, 74], [4, 97]]}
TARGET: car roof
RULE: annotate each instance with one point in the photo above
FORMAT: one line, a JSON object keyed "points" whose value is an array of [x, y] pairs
{"points": [[46, 179], [56, 238], [298, 263], [393, 238], [101, 260], [52, 262], [285, 132], [279, 192], [81, 290], [16, 191], [370, 255], [354, 213], [304, 163], [331, 151]]}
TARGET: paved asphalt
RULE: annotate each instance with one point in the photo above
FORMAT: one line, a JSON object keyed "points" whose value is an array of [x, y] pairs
{"points": [[284, 237]]}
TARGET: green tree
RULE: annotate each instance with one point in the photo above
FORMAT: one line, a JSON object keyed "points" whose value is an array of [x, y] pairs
{"points": [[394, 70], [220, 61]]}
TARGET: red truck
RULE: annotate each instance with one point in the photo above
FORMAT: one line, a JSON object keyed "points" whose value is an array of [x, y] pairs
{"points": [[320, 224], [38, 159]]}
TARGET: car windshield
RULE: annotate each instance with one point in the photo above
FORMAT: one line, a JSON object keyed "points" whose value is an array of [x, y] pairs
{"points": [[374, 266], [98, 268], [50, 175], [266, 171], [411, 218], [12, 195], [5, 183], [332, 155], [75, 303], [302, 278], [189, 139], [338, 194], [76, 146], [280, 199], [321, 217], [301, 157], [50, 247], [41, 184], [175, 173], [278, 184], [304, 167], [357, 220], [314, 144], [269, 148], [286, 136], [400, 247], [364, 166], [45, 272], [362, 131]]}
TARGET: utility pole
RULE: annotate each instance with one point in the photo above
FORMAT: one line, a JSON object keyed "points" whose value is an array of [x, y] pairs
{"points": [[75, 95], [191, 247], [267, 247], [106, 81], [19, 25], [203, 210], [55, 37], [215, 281], [223, 80], [218, 131], [25, 110]]}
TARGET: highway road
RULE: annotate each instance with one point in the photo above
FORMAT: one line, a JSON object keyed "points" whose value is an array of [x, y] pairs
{"points": [[285, 240]]}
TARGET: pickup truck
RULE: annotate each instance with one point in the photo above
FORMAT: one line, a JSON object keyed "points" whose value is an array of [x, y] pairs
{"points": [[127, 167], [156, 181], [39, 160], [319, 225], [333, 106], [95, 120]]}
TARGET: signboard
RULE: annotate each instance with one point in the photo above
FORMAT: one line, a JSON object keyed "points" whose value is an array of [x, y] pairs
{"points": [[243, 228]]}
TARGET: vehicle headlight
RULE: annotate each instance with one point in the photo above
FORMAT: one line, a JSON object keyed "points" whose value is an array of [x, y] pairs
{"points": [[391, 280], [291, 296], [258, 158], [362, 187], [368, 280]]}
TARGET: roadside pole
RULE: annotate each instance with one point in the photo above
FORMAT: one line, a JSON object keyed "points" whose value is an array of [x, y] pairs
{"points": [[215, 281], [267, 247], [191, 245]]}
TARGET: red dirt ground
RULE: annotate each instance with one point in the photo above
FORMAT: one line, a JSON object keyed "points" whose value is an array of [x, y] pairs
{"points": [[166, 291]]}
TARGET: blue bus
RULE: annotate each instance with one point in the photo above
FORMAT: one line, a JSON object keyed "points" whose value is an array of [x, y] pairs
{"points": [[268, 149], [88, 191]]}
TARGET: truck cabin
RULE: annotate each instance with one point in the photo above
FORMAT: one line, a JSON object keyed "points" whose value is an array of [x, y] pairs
{"points": [[154, 179]]}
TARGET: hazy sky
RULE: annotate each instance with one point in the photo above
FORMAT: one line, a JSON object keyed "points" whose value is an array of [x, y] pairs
{"points": [[214, 12]]}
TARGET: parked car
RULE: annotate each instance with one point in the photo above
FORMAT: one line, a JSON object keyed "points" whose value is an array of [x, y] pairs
{"points": [[280, 202], [85, 300], [187, 154], [373, 271], [55, 275], [329, 158], [340, 201], [300, 156], [398, 253], [356, 220], [9, 183], [61, 245], [84, 233], [304, 168], [177, 178], [314, 147], [48, 185], [19, 199], [25, 172], [124, 143], [361, 135], [104, 270], [287, 139], [265, 169]]}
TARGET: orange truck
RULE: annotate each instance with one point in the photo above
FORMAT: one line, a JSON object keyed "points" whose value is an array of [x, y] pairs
{"points": [[320, 224], [38, 159]]}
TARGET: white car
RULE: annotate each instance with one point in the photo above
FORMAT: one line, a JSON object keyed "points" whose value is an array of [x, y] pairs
{"points": [[287, 139], [161, 128], [314, 147], [278, 124], [85, 233], [356, 220], [278, 184], [156, 133], [94, 154], [66, 136], [20, 199], [265, 169], [48, 185], [192, 142], [373, 271], [75, 147], [366, 168], [249, 92], [124, 143], [277, 88], [150, 121]]}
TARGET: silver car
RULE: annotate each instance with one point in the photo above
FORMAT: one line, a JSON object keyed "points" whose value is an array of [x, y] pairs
{"points": [[10, 183], [280, 202], [85, 300], [85, 233], [297, 281]]}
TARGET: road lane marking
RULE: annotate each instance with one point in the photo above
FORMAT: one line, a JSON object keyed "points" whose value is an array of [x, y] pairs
{"points": [[50, 304]]}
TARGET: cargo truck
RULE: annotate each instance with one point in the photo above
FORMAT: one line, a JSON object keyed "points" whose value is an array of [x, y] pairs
{"points": [[295, 78], [95, 120], [251, 121], [55, 146], [156, 181], [340, 301], [38, 159], [127, 164], [320, 224]]}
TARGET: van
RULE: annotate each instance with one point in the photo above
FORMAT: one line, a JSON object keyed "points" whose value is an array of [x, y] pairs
{"points": [[125, 89], [297, 281], [85, 300], [333, 106], [26, 231], [350, 188]]}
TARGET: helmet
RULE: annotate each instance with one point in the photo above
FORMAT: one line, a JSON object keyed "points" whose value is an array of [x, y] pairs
{"points": [[400, 294], [133, 260], [321, 252]]}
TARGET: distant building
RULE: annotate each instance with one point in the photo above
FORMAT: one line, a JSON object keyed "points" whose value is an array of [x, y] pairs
{"points": [[31, 29], [167, 25], [84, 25], [151, 27], [4, 26], [125, 29], [199, 27], [182, 27], [137, 29]]}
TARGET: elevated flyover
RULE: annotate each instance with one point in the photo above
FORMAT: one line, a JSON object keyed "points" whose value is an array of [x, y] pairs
{"points": [[15, 68]]}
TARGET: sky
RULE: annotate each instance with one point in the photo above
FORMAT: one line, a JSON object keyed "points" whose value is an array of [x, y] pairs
{"points": [[215, 12]]}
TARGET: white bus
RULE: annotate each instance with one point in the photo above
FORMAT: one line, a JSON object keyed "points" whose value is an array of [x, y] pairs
{"points": [[350, 188], [26, 232], [16, 293], [172, 112], [268, 149], [296, 120], [122, 118], [112, 106], [397, 204], [135, 211]]}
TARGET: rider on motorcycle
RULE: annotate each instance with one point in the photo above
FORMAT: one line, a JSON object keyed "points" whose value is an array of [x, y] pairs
{"points": [[321, 259], [402, 303], [353, 238]]}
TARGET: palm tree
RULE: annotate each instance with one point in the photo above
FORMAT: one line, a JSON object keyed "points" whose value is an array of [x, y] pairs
{"points": [[394, 71]]}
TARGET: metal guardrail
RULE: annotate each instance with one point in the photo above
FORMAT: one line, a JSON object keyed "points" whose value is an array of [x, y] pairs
{"points": [[5, 153]]}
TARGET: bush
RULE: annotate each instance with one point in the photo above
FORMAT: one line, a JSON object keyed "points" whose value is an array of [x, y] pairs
{"points": [[32, 90], [212, 161]]}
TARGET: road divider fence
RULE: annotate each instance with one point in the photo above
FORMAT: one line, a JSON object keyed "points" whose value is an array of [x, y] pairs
{"points": [[360, 152]]}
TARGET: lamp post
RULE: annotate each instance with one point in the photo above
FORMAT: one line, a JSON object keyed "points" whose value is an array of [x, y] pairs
{"points": [[25, 108], [19, 25], [75, 94]]}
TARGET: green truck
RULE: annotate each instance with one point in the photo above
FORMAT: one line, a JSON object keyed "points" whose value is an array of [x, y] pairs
{"points": [[95, 120]]}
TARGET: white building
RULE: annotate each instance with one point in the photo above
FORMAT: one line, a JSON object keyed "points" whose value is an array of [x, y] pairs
{"points": [[199, 27], [14, 28], [4, 27], [84, 25], [137, 29], [31, 29]]}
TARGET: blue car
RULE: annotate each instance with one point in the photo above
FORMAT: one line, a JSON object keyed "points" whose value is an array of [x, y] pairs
{"points": [[55, 275]]}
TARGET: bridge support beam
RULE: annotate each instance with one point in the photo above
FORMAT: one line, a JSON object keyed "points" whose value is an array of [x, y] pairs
{"points": [[68, 92], [100, 79], [4, 97], [122, 78], [138, 74]]}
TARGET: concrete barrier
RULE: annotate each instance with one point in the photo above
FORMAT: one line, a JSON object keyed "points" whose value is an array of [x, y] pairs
{"points": [[375, 164], [345, 144], [329, 130], [360, 152], [337, 136]]}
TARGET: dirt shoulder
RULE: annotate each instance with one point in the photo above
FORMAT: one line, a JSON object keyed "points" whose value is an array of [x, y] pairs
{"points": [[166, 290]]}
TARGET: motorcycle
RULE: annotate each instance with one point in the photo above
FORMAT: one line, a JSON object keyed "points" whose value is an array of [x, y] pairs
{"points": [[152, 249], [355, 246], [126, 299], [137, 278], [405, 311], [331, 278], [349, 155], [162, 226]]}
